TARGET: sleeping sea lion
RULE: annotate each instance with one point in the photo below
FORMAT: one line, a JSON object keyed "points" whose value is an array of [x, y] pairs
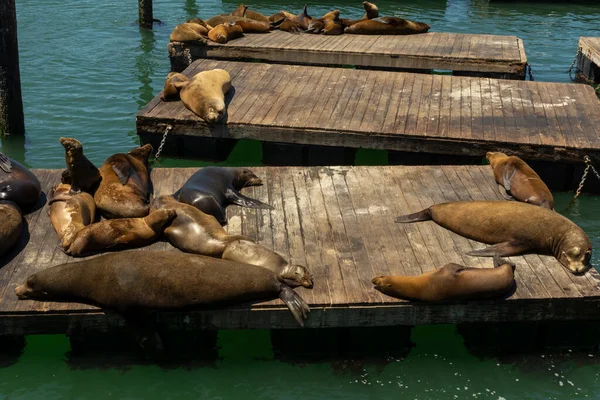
{"points": [[387, 26], [18, 184], [513, 228], [123, 191], [451, 282], [243, 11], [70, 213], [173, 84], [328, 24], [196, 232], [189, 32], [212, 189], [223, 33], [516, 179], [11, 226], [136, 281], [248, 25], [119, 233], [81, 173]]}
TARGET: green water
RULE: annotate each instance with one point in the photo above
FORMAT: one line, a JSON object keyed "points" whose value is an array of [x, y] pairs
{"points": [[86, 69]]}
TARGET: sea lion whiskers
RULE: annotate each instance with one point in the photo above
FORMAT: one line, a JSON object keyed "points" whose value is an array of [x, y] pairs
{"points": [[296, 275]]}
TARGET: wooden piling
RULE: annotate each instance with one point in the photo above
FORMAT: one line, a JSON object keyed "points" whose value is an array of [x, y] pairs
{"points": [[145, 18], [11, 104]]}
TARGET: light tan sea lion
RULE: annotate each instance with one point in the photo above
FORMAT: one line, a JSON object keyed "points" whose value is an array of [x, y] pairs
{"points": [[18, 184], [196, 232], [173, 84], [134, 281], [387, 26], [70, 213], [81, 173], [123, 191], [248, 25], [113, 234], [225, 32], [204, 94], [517, 179], [11, 227], [189, 32], [243, 11], [512, 228], [451, 282]]}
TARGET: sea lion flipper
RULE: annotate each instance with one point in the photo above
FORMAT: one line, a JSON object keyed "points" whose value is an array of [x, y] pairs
{"points": [[237, 198], [499, 261], [503, 249], [295, 303], [122, 169], [507, 174], [504, 193], [423, 215], [5, 163]]}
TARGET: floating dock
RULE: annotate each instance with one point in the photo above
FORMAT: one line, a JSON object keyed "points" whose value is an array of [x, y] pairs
{"points": [[588, 58], [463, 54], [397, 111], [338, 221]]}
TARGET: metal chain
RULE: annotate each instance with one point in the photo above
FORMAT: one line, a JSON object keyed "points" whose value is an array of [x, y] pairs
{"points": [[530, 72], [574, 61], [588, 166], [162, 142]]}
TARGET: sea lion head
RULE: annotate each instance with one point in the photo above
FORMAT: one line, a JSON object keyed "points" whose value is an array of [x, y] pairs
{"points": [[493, 155], [244, 177], [296, 275], [72, 146], [576, 258], [214, 111], [371, 10], [173, 85], [32, 289]]}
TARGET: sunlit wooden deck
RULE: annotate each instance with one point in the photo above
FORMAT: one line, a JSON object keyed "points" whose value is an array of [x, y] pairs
{"points": [[588, 59]]}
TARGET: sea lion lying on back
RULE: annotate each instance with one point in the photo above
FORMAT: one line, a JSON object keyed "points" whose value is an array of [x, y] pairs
{"points": [[512, 228], [243, 11], [18, 184], [328, 24], [516, 179], [134, 281], [248, 25], [451, 282], [81, 173], [11, 226], [387, 26], [212, 189], [123, 191], [70, 213]]}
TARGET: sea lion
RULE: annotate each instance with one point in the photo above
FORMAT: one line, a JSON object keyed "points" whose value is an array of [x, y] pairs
{"points": [[223, 33], [18, 184], [513, 228], [303, 19], [135, 281], [11, 227], [204, 94], [516, 178], [113, 234], [123, 191], [451, 282], [243, 11], [328, 24], [199, 21], [371, 12], [387, 26], [173, 84], [248, 25], [333, 27], [81, 173], [196, 232], [189, 32], [69, 213], [212, 189]]}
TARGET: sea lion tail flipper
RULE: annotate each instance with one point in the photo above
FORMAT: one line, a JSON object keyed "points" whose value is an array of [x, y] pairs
{"points": [[244, 201], [295, 303], [504, 193], [5, 163], [499, 261], [503, 249], [423, 215], [122, 168], [507, 174]]}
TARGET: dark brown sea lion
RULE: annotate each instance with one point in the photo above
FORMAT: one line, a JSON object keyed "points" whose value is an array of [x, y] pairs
{"points": [[70, 213], [120, 233], [135, 281], [513, 228], [81, 173], [173, 84], [387, 26], [451, 282], [123, 191], [11, 227], [189, 32], [248, 25], [243, 11], [212, 189], [196, 232], [516, 179], [18, 184]]}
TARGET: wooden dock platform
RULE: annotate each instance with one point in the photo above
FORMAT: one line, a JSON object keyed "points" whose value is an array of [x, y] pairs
{"points": [[588, 58], [338, 221], [463, 54], [398, 111]]}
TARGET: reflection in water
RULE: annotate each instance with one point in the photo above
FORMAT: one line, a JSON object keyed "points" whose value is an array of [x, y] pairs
{"points": [[145, 66], [14, 147], [191, 9]]}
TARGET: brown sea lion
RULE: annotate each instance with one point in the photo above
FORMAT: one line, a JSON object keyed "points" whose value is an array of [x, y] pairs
{"points": [[113, 234], [513, 228], [289, 25], [196, 232], [333, 27], [173, 84], [18, 184], [70, 213], [189, 32], [248, 25], [328, 24], [371, 11], [135, 281], [123, 191], [225, 32], [212, 189], [277, 18], [451, 282], [516, 179], [11, 226], [243, 11], [387, 26], [200, 22], [81, 173]]}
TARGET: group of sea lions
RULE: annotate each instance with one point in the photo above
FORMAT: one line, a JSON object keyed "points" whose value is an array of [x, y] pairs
{"points": [[225, 27]]}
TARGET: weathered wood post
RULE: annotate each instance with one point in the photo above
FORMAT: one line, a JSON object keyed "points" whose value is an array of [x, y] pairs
{"points": [[11, 104], [145, 17]]}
